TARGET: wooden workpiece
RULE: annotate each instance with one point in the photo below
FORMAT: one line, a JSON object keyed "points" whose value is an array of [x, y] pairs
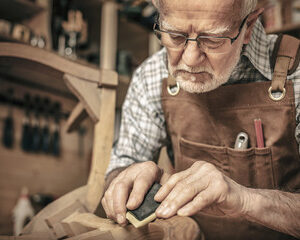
{"points": [[39, 222], [180, 228]]}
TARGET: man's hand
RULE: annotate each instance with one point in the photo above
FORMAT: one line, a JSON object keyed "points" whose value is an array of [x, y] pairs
{"points": [[200, 187], [128, 189]]}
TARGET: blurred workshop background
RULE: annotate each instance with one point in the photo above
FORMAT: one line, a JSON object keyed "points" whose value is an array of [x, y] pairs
{"points": [[39, 160]]}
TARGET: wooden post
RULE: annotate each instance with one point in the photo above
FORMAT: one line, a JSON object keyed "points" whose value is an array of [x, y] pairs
{"points": [[109, 28], [104, 129]]}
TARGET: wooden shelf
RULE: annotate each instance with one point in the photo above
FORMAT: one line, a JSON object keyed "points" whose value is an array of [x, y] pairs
{"points": [[18, 10], [285, 29], [42, 69], [39, 67]]}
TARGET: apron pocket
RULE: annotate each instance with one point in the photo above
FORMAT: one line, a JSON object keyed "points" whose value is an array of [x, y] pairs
{"points": [[250, 167], [191, 152], [264, 174]]}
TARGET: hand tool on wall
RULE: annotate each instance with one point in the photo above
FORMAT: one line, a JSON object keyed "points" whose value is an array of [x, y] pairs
{"points": [[8, 128], [56, 132], [45, 128], [36, 131], [26, 127], [72, 29]]}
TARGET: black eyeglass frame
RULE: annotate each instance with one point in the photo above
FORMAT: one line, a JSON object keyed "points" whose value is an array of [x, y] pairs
{"points": [[156, 28]]}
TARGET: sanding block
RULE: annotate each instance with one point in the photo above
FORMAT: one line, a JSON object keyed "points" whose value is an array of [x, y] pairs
{"points": [[145, 213]]}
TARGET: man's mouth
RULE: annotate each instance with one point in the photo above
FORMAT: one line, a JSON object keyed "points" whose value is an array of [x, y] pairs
{"points": [[194, 76]]}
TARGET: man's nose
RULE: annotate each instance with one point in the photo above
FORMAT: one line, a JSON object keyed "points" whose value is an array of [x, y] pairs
{"points": [[193, 56]]}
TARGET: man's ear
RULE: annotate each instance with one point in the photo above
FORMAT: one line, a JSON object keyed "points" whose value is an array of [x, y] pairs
{"points": [[250, 23]]}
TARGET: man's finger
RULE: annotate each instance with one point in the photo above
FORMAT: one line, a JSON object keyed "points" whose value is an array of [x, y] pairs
{"points": [[201, 201], [140, 188], [169, 185], [120, 196], [109, 205], [104, 205], [164, 177], [183, 192]]}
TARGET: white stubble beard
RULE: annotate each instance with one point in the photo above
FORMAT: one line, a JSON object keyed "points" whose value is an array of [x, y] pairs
{"points": [[194, 86]]}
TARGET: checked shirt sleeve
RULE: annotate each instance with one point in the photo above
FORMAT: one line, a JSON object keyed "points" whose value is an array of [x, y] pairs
{"points": [[142, 131]]}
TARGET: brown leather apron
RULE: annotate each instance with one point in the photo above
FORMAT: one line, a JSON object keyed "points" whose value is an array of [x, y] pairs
{"points": [[205, 126]]}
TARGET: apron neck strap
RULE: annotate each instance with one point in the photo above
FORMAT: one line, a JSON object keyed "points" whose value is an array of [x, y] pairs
{"points": [[284, 61]]}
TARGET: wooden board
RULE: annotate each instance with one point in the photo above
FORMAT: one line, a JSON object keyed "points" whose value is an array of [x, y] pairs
{"points": [[103, 140], [49, 59], [78, 114], [87, 93]]}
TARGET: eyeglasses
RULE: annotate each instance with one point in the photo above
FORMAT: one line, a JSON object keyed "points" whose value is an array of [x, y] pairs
{"points": [[208, 44]]}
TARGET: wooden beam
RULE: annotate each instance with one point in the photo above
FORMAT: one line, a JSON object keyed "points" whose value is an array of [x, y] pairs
{"points": [[87, 93], [104, 130], [108, 78], [53, 62], [109, 30], [76, 117], [103, 140]]}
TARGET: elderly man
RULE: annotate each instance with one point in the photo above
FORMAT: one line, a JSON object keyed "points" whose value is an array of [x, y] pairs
{"points": [[208, 84]]}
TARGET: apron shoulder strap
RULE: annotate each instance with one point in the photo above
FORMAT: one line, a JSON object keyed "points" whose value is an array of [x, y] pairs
{"points": [[285, 60]]}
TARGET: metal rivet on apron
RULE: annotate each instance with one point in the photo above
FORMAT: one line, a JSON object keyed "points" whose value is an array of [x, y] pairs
{"points": [[277, 98], [173, 90]]}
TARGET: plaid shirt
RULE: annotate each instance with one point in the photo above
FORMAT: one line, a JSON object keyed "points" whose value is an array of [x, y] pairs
{"points": [[143, 132]]}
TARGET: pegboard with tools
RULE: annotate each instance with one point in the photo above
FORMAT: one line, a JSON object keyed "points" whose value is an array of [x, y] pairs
{"points": [[40, 124]]}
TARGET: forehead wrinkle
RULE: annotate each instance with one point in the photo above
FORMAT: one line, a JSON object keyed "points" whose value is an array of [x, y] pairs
{"points": [[223, 9], [193, 13], [215, 30]]}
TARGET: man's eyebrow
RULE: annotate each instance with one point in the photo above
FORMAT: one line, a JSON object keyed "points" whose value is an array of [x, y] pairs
{"points": [[169, 27], [216, 31]]}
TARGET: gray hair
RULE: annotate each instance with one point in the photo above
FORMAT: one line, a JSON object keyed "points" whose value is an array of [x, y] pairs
{"points": [[247, 6]]}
